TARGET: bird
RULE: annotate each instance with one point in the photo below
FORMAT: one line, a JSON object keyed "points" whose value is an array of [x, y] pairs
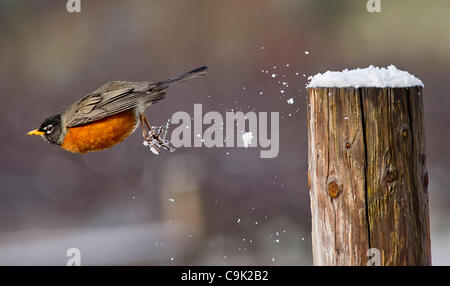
{"points": [[108, 115]]}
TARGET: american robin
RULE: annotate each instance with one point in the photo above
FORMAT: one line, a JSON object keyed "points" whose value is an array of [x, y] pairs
{"points": [[108, 115]]}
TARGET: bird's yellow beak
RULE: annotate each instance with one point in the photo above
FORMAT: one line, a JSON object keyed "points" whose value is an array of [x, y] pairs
{"points": [[35, 132]]}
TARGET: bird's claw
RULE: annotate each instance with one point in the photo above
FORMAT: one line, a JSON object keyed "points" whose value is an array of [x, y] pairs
{"points": [[156, 139]]}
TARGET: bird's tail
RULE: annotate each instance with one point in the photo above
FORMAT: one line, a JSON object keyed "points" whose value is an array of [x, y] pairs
{"points": [[201, 71]]}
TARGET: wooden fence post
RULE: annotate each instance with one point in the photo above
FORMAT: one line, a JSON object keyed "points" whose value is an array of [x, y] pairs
{"points": [[367, 176]]}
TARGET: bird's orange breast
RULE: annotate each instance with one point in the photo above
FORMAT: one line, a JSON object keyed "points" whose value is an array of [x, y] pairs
{"points": [[101, 134]]}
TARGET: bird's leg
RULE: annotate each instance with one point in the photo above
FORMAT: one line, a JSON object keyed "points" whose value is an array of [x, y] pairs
{"points": [[146, 122], [144, 132]]}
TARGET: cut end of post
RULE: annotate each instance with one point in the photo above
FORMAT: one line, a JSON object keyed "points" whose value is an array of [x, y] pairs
{"points": [[365, 77]]}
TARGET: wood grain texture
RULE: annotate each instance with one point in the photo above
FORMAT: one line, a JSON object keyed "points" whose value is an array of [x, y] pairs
{"points": [[367, 176]]}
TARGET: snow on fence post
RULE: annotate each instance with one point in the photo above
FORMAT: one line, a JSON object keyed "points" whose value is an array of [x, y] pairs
{"points": [[366, 170]]}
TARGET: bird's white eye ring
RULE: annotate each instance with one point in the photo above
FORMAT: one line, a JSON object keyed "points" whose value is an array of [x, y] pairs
{"points": [[49, 129]]}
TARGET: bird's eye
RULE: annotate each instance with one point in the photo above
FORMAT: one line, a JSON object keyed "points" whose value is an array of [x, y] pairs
{"points": [[49, 129]]}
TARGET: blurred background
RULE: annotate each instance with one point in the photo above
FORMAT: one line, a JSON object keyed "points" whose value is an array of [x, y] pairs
{"points": [[196, 206]]}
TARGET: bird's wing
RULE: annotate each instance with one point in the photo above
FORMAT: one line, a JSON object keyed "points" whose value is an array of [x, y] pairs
{"points": [[109, 99], [117, 96]]}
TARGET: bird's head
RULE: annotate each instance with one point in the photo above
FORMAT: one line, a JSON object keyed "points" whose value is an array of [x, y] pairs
{"points": [[51, 130]]}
